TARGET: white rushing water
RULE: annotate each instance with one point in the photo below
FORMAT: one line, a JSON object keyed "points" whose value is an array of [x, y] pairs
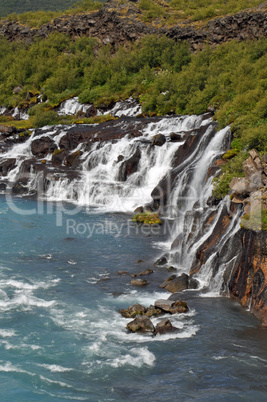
{"points": [[102, 181]]}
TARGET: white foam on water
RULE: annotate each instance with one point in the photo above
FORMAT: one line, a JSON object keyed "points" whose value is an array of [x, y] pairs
{"points": [[8, 367], [7, 333], [25, 301], [136, 357], [20, 346], [54, 368], [60, 383], [219, 357]]}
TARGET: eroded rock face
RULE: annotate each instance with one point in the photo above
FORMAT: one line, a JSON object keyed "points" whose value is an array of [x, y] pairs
{"points": [[248, 280], [130, 166]]}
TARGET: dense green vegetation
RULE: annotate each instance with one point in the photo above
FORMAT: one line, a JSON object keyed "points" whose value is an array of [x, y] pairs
{"points": [[165, 76], [193, 10], [21, 6]]}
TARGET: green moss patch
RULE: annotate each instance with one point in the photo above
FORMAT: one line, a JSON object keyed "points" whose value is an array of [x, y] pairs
{"points": [[147, 218]]}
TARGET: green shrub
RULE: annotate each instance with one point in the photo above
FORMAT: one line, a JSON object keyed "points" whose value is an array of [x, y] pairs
{"points": [[45, 118]]}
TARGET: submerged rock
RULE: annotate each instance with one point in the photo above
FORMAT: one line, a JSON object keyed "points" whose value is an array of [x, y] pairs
{"points": [[141, 324], [146, 272], [138, 282]]}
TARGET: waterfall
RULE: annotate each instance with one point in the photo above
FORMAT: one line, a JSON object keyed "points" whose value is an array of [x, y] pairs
{"points": [[122, 173]]}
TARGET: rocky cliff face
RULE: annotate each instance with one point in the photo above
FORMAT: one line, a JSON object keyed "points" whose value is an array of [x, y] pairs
{"points": [[116, 24], [247, 281]]}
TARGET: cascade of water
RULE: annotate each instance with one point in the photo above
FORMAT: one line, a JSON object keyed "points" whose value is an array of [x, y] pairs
{"points": [[103, 180], [71, 107]]}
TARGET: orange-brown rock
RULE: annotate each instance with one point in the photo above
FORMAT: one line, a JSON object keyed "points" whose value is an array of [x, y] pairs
{"points": [[248, 282]]}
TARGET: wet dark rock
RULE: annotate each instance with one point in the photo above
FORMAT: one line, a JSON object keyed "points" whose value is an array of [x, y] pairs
{"points": [[133, 311], [152, 311], [42, 146], [159, 140], [171, 269], [20, 187], [73, 159], [179, 307], [193, 283], [165, 283], [3, 186], [123, 273], [138, 282], [58, 156], [141, 324], [178, 284], [7, 131], [130, 165], [161, 261], [164, 327], [139, 261], [176, 137], [172, 306], [120, 158], [6, 165], [91, 111], [146, 272]]}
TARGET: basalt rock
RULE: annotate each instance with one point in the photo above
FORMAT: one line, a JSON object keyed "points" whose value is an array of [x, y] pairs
{"points": [[42, 146], [247, 281], [129, 166], [6, 165], [159, 140]]}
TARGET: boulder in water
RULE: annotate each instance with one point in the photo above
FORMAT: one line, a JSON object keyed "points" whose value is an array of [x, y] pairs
{"points": [[138, 282], [153, 311], [171, 306], [133, 311], [159, 140], [141, 324], [164, 326], [178, 284], [161, 261], [165, 283], [146, 272]]}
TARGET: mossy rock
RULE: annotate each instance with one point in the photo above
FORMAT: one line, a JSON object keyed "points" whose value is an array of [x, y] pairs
{"points": [[230, 154], [147, 218], [57, 152]]}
